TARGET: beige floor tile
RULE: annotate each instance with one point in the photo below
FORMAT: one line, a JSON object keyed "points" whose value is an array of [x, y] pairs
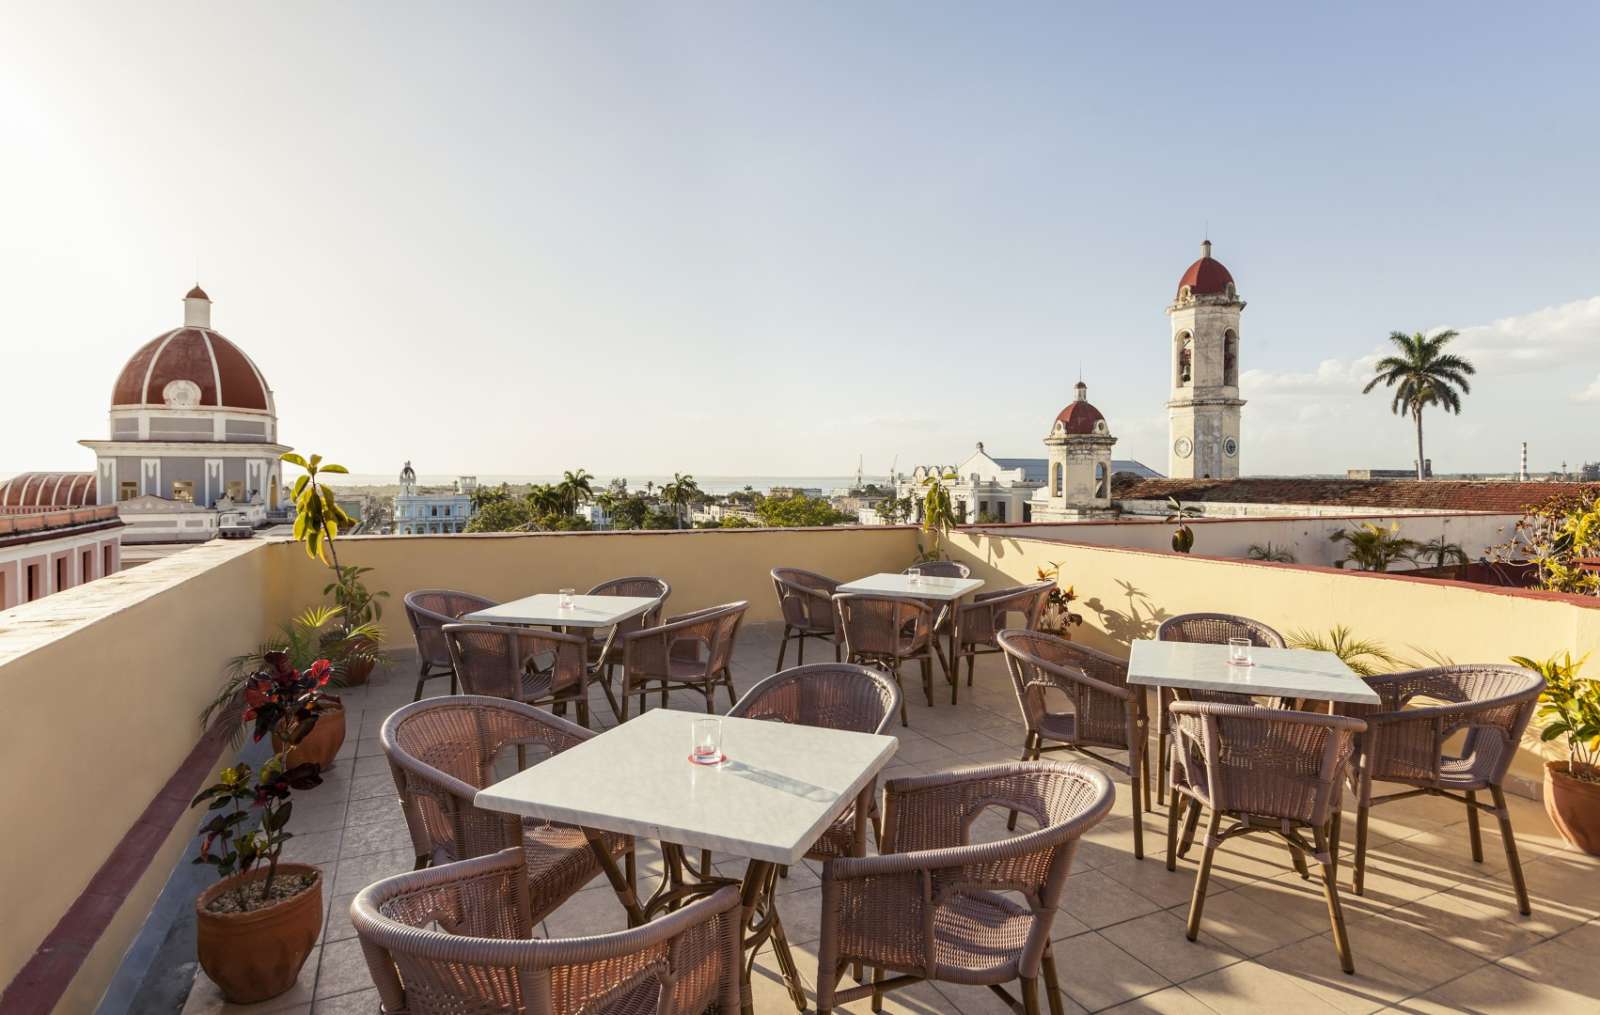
{"points": [[1251, 925], [1172, 1001], [982, 1001], [1489, 932], [343, 970], [1095, 900], [1246, 988], [1096, 974], [1151, 879], [361, 1002], [1494, 990], [1572, 959], [1158, 941], [591, 911], [356, 873]]}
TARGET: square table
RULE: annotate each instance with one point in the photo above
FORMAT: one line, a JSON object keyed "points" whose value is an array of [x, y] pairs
{"points": [[781, 786], [931, 588], [1279, 672]]}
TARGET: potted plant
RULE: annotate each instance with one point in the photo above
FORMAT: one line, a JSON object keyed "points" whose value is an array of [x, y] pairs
{"points": [[938, 516], [318, 518], [1570, 708], [1058, 618], [1182, 536], [256, 925]]}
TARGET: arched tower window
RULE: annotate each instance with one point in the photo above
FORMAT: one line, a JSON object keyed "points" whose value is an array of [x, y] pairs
{"points": [[1184, 373], [1230, 358], [1055, 479], [1100, 491]]}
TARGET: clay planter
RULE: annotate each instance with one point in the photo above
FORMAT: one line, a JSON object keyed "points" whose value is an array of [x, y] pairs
{"points": [[1573, 806], [320, 745], [357, 670], [257, 955]]}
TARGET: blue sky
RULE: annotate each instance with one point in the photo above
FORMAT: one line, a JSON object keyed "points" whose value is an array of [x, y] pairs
{"points": [[763, 238]]}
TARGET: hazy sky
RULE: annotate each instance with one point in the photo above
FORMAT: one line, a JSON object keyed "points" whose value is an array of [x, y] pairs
{"points": [[768, 238]]}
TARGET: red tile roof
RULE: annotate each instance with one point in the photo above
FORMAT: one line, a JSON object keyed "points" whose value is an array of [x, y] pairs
{"points": [[1434, 494]]}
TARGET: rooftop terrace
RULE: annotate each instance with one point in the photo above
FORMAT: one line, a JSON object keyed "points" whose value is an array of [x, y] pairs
{"points": [[1434, 931]]}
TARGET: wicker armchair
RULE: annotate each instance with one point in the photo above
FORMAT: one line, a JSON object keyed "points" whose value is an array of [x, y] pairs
{"points": [[605, 645], [459, 938], [1267, 770], [1106, 712], [692, 651], [978, 622], [522, 664], [884, 632], [1405, 744], [429, 610], [940, 569], [1207, 629], [441, 752], [933, 907], [806, 600], [835, 696]]}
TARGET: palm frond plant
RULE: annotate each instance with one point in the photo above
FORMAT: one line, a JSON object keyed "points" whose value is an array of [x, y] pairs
{"points": [[1371, 547], [1179, 512], [575, 489], [680, 493], [938, 515], [1422, 374], [1365, 658], [1271, 554], [1442, 552]]}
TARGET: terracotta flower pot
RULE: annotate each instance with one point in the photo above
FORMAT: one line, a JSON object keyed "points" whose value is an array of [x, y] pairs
{"points": [[358, 669], [320, 745], [1573, 806], [257, 955]]}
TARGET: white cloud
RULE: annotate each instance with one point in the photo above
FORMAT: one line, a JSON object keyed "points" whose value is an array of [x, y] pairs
{"points": [[1549, 337], [1591, 393]]}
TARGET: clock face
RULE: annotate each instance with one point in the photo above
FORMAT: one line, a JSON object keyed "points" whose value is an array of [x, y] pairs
{"points": [[1230, 447], [1182, 447]]}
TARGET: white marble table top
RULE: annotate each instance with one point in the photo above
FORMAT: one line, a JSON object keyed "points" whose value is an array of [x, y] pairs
{"points": [[780, 787], [1281, 672], [545, 610], [926, 587]]}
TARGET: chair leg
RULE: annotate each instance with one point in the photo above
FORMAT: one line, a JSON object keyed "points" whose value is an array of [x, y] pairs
{"points": [[836, 657], [1358, 881], [422, 676], [1335, 826], [1051, 984], [1189, 827], [583, 712], [1330, 891], [454, 684], [1472, 827], [1030, 995], [927, 679], [1144, 764], [783, 647], [1198, 903], [1138, 812], [800, 660], [1173, 813], [1027, 751], [1299, 864], [1513, 862]]}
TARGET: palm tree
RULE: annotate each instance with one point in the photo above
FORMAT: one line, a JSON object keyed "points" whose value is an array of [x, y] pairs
{"points": [[1442, 551], [1371, 547], [544, 499], [681, 492], [1423, 374], [575, 489]]}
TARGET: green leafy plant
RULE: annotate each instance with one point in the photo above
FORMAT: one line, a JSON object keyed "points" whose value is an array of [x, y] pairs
{"points": [[798, 510], [1441, 551], [680, 493], [575, 489], [1271, 554], [938, 515], [317, 521], [1058, 604], [228, 844], [1556, 537], [1422, 374], [349, 592], [1371, 547], [1179, 512], [1364, 657], [1569, 708]]}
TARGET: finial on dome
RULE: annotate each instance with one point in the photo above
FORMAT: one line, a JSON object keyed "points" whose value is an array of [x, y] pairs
{"points": [[196, 308], [1082, 392], [1205, 248]]}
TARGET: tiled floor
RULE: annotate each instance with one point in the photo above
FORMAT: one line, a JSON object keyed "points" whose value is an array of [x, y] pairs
{"points": [[1434, 932]]}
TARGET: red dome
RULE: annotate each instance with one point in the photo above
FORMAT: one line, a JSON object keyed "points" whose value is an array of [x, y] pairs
{"points": [[1079, 417], [46, 490], [1206, 276], [225, 376]]}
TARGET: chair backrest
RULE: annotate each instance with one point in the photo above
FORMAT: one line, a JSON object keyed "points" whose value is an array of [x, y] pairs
{"points": [[805, 597], [458, 938], [941, 569], [1266, 762], [884, 626], [643, 586], [491, 660], [987, 615], [441, 751], [429, 610], [705, 636], [837, 696], [1216, 629], [1094, 683]]}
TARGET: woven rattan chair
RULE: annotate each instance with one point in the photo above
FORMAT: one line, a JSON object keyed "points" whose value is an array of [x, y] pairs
{"points": [[429, 610], [605, 644], [443, 751], [941, 609], [1266, 770], [885, 632], [835, 696], [692, 651], [1207, 629], [805, 599], [1405, 744], [523, 664], [978, 622], [1106, 712], [459, 938], [934, 907]]}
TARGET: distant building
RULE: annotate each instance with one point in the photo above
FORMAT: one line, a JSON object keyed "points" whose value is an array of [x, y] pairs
{"points": [[1411, 473], [417, 512], [46, 549], [1203, 413], [1590, 473], [1079, 478]]}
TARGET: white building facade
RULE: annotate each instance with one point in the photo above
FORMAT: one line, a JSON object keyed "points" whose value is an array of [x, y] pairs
{"points": [[1203, 412], [418, 513]]}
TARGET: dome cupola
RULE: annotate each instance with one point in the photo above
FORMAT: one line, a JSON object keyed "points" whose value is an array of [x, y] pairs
{"points": [[1205, 277], [192, 367], [1079, 417]]}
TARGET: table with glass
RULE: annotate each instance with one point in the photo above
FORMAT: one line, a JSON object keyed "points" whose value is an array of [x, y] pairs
{"points": [[1300, 674], [778, 787], [931, 589], [569, 614]]}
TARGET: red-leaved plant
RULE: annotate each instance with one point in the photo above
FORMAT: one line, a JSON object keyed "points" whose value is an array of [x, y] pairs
{"points": [[281, 699]]}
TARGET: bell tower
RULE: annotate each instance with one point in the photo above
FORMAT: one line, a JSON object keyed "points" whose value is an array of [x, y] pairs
{"points": [[1203, 412]]}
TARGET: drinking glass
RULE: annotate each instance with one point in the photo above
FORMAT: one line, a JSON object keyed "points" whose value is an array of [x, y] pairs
{"points": [[915, 574], [1239, 652], [706, 745], [566, 598]]}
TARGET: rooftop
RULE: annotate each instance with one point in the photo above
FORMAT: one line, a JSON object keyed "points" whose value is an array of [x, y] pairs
{"points": [[1437, 494]]}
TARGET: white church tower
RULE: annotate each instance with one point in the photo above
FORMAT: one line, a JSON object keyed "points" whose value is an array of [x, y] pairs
{"points": [[1203, 412]]}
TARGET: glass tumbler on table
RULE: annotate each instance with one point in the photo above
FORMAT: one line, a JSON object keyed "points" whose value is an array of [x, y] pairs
{"points": [[566, 598], [915, 574], [1239, 652], [706, 746]]}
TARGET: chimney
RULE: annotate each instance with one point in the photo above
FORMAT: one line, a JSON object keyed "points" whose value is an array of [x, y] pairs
{"points": [[196, 309], [1522, 473]]}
